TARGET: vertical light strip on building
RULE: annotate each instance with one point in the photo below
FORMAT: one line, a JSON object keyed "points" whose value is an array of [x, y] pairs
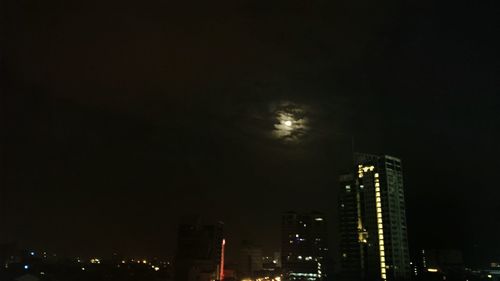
{"points": [[380, 225], [221, 273], [358, 208]]}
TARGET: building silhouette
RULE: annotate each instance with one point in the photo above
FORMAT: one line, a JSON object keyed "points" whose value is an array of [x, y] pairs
{"points": [[373, 231], [200, 251], [433, 263], [250, 260], [304, 247]]}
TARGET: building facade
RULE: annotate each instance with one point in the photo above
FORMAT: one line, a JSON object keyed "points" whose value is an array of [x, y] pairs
{"points": [[373, 230], [250, 260], [304, 250], [200, 251]]}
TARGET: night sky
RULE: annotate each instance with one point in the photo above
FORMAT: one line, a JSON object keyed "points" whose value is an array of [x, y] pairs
{"points": [[119, 117]]}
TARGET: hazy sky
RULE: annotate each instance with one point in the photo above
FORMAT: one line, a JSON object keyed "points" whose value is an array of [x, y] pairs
{"points": [[120, 117]]}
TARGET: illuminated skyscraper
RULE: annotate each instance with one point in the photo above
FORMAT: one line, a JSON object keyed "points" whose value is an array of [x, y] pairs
{"points": [[374, 244], [304, 247]]}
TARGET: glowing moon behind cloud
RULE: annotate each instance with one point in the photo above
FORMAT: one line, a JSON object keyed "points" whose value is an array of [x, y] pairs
{"points": [[290, 123]]}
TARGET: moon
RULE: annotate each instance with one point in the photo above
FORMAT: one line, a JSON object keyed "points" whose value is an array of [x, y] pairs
{"points": [[290, 122]]}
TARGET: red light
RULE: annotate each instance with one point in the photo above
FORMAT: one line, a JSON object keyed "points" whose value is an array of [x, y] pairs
{"points": [[221, 276]]}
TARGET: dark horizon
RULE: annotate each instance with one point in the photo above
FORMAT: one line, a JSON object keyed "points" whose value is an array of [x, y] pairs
{"points": [[118, 118]]}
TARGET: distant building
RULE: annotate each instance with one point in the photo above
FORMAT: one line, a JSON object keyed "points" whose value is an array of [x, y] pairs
{"points": [[304, 249], [373, 231], [446, 262], [200, 251], [9, 254], [272, 263], [250, 259]]}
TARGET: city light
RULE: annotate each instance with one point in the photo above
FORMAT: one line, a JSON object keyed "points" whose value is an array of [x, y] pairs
{"points": [[432, 270], [312, 135], [380, 224]]}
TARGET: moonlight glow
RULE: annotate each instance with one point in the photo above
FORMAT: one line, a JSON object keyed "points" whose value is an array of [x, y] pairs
{"points": [[290, 123]]}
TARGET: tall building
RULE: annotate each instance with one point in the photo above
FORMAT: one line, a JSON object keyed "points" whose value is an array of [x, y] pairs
{"points": [[304, 247], [200, 251], [250, 259], [374, 243]]}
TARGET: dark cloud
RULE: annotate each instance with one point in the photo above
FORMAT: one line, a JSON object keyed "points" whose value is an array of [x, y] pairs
{"points": [[121, 116]]}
